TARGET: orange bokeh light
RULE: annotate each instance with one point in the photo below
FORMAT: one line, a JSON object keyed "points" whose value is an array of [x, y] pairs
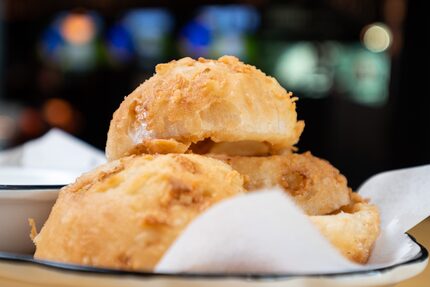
{"points": [[58, 112], [78, 29]]}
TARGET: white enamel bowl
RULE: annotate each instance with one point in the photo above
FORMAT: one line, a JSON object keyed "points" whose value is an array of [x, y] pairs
{"points": [[26, 193]]}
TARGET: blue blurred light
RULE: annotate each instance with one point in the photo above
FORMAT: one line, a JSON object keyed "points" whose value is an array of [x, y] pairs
{"points": [[119, 37], [197, 34], [218, 30], [51, 40], [120, 43], [148, 30], [230, 19], [148, 23]]}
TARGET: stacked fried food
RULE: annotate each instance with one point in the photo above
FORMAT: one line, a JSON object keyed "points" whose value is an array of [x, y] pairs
{"points": [[197, 132]]}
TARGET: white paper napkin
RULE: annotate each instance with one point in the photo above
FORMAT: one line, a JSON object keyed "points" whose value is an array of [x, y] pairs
{"points": [[55, 150], [258, 232], [266, 232]]}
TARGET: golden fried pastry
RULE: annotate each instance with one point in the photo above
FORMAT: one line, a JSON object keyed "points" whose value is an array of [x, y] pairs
{"points": [[190, 103], [353, 230], [347, 221], [126, 213], [316, 186]]}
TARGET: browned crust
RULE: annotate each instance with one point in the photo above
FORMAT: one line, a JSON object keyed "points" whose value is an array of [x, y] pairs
{"points": [[188, 101], [126, 213], [315, 185]]}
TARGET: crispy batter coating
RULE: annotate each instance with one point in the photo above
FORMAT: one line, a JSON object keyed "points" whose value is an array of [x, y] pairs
{"points": [[353, 230], [316, 186], [190, 101], [342, 216], [126, 213]]}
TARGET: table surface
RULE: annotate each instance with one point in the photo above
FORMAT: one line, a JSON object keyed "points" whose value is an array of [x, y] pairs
{"points": [[422, 233]]}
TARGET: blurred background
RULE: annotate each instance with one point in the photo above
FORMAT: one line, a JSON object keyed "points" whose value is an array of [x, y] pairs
{"points": [[359, 67]]}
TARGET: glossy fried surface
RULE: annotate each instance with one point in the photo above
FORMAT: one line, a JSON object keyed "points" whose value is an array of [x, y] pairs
{"points": [[316, 186], [126, 213], [189, 101]]}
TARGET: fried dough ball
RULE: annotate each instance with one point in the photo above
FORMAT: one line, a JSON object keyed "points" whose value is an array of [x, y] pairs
{"points": [[315, 185], [126, 213], [353, 230], [188, 102]]}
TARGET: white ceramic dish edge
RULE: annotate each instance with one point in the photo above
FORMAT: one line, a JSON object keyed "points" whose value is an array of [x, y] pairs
{"points": [[46, 273]]}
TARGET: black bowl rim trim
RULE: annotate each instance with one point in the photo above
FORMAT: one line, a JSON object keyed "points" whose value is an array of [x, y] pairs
{"points": [[58, 266], [30, 187]]}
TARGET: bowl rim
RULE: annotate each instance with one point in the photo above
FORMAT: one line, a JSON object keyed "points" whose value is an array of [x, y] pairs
{"points": [[421, 256], [30, 186], [17, 170]]}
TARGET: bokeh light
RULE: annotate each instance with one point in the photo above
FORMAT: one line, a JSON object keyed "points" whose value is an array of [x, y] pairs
{"points": [[300, 68], [220, 30], [149, 29], [58, 113], [377, 37], [120, 44], [78, 28], [196, 39], [70, 41], [364, 75]]}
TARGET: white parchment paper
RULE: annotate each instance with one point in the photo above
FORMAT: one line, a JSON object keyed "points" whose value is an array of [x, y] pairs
{"points": [[55, 150], [266, 232]]}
